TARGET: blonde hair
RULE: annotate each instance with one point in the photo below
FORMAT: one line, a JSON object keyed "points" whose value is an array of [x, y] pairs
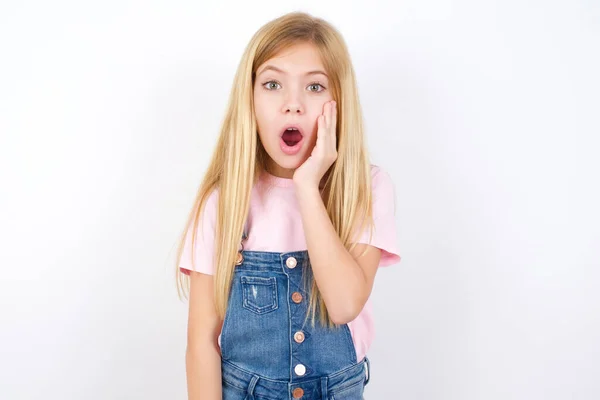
{"points": [[239, 157]]}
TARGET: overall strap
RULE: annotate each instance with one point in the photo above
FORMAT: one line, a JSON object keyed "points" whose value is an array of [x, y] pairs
{"points": [[244, 233]]}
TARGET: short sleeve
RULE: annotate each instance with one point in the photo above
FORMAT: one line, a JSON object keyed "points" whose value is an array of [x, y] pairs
{"points": [[205, 240], [384, 213]]}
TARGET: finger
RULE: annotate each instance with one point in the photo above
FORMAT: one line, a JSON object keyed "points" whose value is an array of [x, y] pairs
{"points": [[320, 127], [331, 125], [333, 118]]}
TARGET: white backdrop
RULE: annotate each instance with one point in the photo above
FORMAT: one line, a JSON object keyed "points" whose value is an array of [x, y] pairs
{"points": [[484, 113]]}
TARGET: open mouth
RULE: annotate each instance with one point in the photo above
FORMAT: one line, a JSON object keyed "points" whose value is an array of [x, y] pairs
{"points": [[291, 140], [291, 136]]}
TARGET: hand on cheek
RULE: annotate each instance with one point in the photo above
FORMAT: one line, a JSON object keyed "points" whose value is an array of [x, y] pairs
{"points": [[324, 153]]}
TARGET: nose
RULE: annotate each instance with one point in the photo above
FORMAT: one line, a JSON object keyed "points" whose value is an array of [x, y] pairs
{"points": [[293, 104], [293, 109]]}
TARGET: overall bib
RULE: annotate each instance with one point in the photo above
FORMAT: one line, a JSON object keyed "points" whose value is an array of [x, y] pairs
{"points": [[268, 351]]}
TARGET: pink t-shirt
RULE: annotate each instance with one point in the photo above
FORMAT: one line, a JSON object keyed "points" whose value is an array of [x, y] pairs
{"points": [[276, 210]]}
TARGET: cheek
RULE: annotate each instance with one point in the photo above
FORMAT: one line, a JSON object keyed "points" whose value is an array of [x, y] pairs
{"points": [[260, 111], [314, 116], [316, 108], [263, 109]]}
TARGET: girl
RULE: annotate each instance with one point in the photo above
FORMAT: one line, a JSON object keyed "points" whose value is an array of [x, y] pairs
{"points": [[289, 227]]}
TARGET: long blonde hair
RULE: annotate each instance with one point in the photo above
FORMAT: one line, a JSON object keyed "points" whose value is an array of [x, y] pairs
{"points": [[239, 157]]}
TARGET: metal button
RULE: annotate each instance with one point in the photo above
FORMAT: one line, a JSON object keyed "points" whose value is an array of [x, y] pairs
{"points": [[240, 259], [291, 262], [296, 297], [300, 369], [299, 337], [297, 393]]}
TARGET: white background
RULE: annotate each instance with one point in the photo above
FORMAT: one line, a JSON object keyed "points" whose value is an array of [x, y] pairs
{"points": [[485, 114]]}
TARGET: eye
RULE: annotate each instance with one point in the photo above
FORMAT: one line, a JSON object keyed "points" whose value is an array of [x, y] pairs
{"points": [[316, 84], [272, 85], [268, 83]]}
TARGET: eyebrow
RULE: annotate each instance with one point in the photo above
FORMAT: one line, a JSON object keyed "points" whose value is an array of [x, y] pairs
{"points": [[273, 68]]}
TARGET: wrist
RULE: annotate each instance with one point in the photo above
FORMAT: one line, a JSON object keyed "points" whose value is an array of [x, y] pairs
{"points": [[306, 187]]}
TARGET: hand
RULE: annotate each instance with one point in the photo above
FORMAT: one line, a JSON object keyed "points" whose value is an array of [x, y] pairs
{"points": [[324, 153]]}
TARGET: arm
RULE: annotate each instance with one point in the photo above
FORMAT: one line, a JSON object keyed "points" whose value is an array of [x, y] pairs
{"points": [[344, 280], [203, 358]]}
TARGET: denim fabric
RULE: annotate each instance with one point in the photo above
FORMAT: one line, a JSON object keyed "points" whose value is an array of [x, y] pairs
{"points": [[261, 360]]}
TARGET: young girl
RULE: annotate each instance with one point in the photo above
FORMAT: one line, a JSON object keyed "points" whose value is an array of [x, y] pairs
{"points": [[290, 225]]}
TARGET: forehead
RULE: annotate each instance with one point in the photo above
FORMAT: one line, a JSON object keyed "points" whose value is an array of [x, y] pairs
{"points": [[299, 59]]}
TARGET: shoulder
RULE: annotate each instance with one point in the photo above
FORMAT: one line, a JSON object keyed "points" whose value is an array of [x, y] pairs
{"points": [[197, 254], [207, 212], [381, 181], [384, 217], [213, 196], [379, 174], [212, 201]]}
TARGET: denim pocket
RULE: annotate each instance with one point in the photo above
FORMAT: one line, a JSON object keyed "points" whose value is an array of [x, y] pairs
{"points": [[232, 392], [352, 392], [259, 294]]}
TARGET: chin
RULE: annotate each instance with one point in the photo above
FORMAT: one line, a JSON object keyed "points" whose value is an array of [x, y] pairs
{"points": [[284, 160], [289, 162]]}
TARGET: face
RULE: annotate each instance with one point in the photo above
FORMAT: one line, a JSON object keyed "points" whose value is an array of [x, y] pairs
{"points": [[290, 89]]}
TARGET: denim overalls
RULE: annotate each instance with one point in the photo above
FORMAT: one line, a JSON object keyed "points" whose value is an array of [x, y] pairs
{"points": [[268, 351]]}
